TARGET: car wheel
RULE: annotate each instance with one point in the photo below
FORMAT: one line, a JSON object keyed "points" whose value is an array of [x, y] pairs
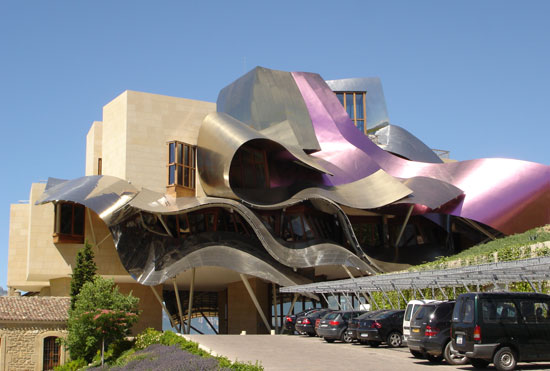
{"points": [[434, 359], [416, 354], [373, 344], [505, 359], [394, 339], [329, 340], [451, 358], [479, 363], [346, 338]]}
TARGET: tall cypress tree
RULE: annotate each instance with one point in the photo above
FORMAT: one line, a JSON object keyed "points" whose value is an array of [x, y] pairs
{"points": [[84, 271]]}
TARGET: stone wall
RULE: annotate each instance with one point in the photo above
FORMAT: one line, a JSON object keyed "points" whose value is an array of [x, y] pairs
{"points": [[22, 345]]}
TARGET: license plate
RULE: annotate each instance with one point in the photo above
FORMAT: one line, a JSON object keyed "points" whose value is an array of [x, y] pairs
{"points": [[415, 330], [299, 322], [364, 335], [459, 339], [324, 325]]}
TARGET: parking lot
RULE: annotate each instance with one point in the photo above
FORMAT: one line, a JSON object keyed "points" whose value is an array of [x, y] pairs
{"points": [[297, 352]]}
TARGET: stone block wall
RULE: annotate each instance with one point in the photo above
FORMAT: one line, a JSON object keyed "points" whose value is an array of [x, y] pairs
{"points": [[22, 345]]}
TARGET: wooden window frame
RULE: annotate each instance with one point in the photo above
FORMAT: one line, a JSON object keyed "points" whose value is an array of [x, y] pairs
{"points": [[181, 168], [58, 236], [354, 119], [51, 355]]}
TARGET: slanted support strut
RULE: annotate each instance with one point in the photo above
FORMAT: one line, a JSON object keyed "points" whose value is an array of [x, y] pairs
{"points": [[190, 307], [180, 311], [255, 301], [163, 306]]}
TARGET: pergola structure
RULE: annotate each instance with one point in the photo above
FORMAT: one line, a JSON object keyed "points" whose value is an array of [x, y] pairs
{"points": [[499, 274]]}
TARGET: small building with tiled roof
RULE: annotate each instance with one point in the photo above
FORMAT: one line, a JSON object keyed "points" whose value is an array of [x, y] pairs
{"points": [[29, 328]]}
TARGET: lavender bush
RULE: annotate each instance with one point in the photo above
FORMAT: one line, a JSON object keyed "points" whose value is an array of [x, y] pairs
{"points": [[163, 357]]}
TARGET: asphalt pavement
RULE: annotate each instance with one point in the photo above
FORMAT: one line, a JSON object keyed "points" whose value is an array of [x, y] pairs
{"points": [[298, 352]]}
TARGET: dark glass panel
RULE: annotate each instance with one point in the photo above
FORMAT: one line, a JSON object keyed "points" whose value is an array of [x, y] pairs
{"points": [[181, 171], [66, 219], [180, 153], [186, 180], [260, 176], [297, 227], [186, 156], [171, 174], [78, 220], [192, 178], [360, 125], [172, 153], [349, 105], [340, 97], [308, 229], [359, 105], [193, 155]]}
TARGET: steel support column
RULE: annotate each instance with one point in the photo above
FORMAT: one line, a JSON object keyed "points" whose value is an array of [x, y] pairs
{"points": [[275, 312], [255, 301], [163, 306], [180, 311], [190, 307]]}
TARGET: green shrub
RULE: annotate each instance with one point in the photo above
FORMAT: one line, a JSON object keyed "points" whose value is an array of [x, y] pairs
{"points": [[73, 365]]}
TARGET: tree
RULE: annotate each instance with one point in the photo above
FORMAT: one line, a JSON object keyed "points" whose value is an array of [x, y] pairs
{"points": [[84, 271], [102, 315]]}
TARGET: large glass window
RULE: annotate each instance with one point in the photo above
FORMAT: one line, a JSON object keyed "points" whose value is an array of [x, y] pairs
{"points": [[249, 168], [181, 164], [354, 104], [69, 223], [51, 353]]}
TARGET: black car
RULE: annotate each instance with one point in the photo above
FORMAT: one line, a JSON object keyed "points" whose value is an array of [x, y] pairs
{"points": [[305, 325], [430, 333], [503, 328], [290, 320], [385, 327], [353, 324], [333, 326]]}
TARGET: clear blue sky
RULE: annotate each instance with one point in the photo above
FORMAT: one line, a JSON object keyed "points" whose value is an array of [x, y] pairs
{"points": [[471, 77]]}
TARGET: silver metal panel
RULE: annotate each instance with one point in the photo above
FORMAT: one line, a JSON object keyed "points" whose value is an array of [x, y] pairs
{"points": [[269, 100], [395, 139], [220, 136], [101, 193]]}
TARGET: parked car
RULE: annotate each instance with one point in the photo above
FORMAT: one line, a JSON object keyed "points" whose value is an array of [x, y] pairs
{"points": [[333, 326], [430, 333], [305, 325], [502, 328], [411, 308], [385, 327], [290, 320], [354, 323]]}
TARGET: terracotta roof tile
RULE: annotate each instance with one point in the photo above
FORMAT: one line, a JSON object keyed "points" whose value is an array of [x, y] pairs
{"points": [[34, 308]]}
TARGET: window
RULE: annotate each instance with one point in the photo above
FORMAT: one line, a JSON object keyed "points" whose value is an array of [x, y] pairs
{"points": [[249, 169], [99, 166], [69, 223], [181, 164], [51, 355], [498, 311], [354, 104]]}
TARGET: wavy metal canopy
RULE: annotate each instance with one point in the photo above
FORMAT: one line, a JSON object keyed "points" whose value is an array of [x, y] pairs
{"points": [[311, 155]]}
